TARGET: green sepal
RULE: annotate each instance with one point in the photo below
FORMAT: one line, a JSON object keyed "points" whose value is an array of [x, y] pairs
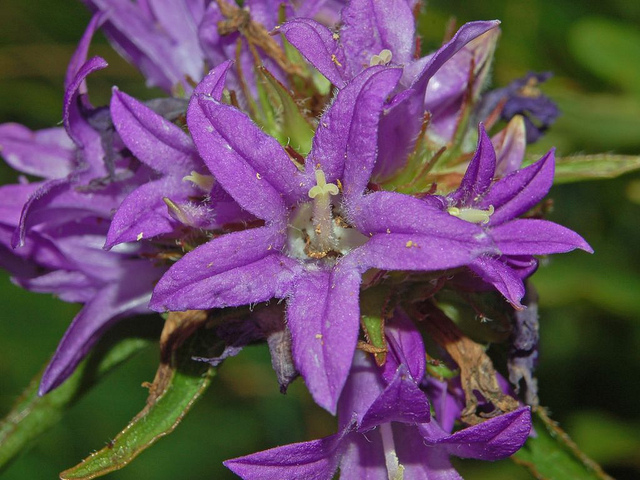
{"points": [[292, 126], [578, 168], [178, 385], [33, 415], [373, 309], [552, 455]]}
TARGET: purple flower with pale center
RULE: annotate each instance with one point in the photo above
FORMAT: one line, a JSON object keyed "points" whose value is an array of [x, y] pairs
{"points": [[386, 430], [383, 33], [321, 231], [495, 205]]}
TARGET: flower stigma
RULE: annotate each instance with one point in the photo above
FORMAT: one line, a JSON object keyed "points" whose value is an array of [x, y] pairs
{"points": [[472, 215]]}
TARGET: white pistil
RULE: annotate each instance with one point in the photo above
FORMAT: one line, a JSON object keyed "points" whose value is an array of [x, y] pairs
{"points": [[395, 470], [383, 58], [472, 215], [205, 182], [322, 217]]}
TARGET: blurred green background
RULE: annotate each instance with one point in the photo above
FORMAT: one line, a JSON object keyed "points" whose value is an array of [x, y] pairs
{"points": [[590, 325]]}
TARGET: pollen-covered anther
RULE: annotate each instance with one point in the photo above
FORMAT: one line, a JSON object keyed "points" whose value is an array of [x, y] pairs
{"points": [[205, 182], [472, 215], [382, 58]]}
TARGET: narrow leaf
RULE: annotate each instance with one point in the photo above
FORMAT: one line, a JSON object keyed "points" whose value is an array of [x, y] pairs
{"points": [[552, 455], [593, 167], [178, 384], [33, 415]]}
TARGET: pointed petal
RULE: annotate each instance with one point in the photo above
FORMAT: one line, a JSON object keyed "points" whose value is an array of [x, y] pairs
{"points": [[234, 269], [345, 143], [497, 438], [143, 213], [510, 144], [406, 346], [213, 83], [516, 193], [536, 237], [324, 318], [370, 26], [109, 304], [43, 153], [479, 174], [314, 460], [402, 401], [79, 57], [153, 139], [504, 279], [318, 45], [249, 164]]}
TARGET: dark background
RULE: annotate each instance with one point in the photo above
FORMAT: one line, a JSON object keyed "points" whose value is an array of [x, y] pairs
{"points": [[590, 323]]}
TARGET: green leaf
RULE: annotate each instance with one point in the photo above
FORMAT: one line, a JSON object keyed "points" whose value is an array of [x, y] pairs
{"points": [[177, 386], [592, 167], [292, 124], [552, 455], [33, 415], [578, 168]]}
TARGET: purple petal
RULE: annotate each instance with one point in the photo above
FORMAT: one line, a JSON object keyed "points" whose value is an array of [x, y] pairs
{"points": [[502, 277], [370, 26], [345, 143], [213, 83], [406, 347], [364, 458], [107, 306], [324, 318], [43, 153], [143, 213], [497, 438], [153, 139], [447, 400], [479, 174], [318, 45], [510, 144], [364, 385], [314, 460], [516, 193], [536, 237], [420, 461], [79, 57], [402, 401], [234, 269], [249, 164]]}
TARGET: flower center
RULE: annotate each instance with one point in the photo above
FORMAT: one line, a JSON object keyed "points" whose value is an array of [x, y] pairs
{"points": [[317, 229], [472, 215]]}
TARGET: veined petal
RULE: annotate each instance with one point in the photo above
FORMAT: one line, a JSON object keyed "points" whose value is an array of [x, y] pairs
{"points": [[402, 401], [318, 45], [370, 26], [109, 304], [143, 213], [479, 174], [45, 153], [249, 164], [345, 143], [234, 269], [536, 237], [497, 438], [502, 277], [314, 460], [323, 315], [519, 191], [153, 139]]}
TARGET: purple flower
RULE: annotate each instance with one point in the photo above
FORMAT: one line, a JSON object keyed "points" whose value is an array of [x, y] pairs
{"points": [[386, 430], [52, 232], [495, 205], [321, 230]]}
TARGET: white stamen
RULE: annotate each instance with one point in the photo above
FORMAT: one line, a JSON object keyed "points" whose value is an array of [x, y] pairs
{"points": [[322, 217], [205, 182], [383, 58], [395, 470], [472, 215]]}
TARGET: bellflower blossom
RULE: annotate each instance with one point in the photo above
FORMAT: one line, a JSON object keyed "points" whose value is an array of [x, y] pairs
{"points": [[496, 205], [386, 430], [321, 230]]}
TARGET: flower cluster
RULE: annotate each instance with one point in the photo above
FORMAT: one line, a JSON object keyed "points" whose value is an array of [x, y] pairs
{"points": [[324, 163]]}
